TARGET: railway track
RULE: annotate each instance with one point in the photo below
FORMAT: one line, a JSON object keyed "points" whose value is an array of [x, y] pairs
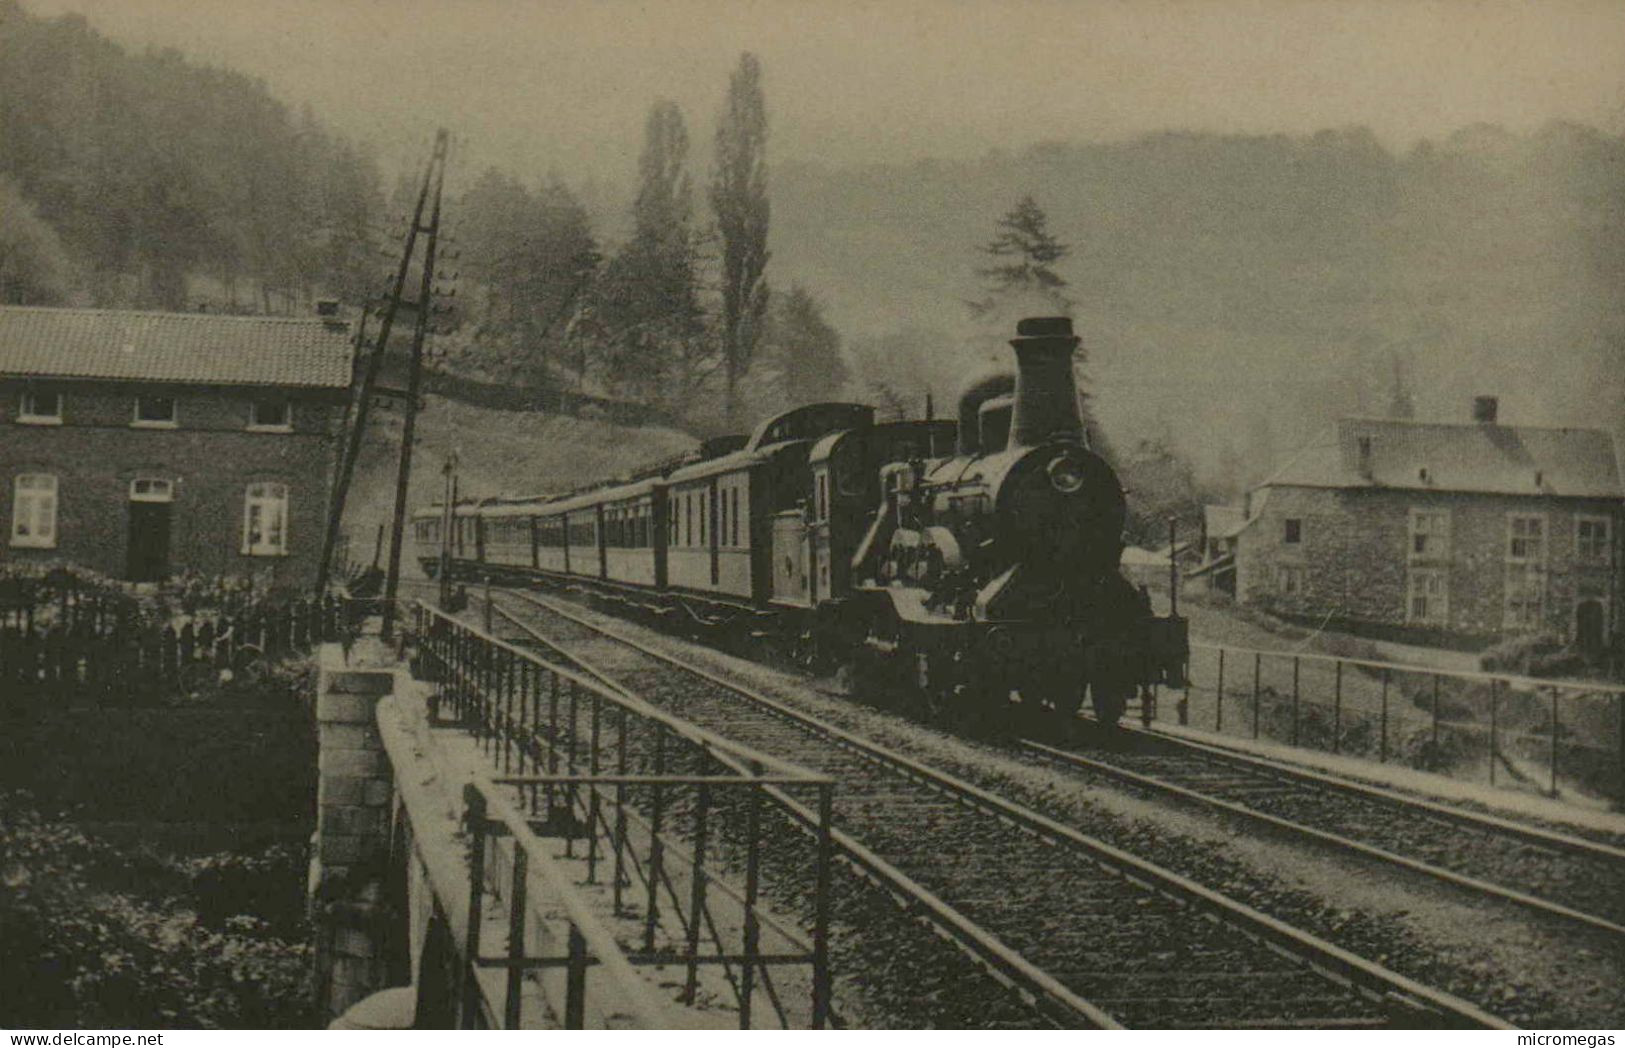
{"points": [[1571, 878], [1093, 935]]}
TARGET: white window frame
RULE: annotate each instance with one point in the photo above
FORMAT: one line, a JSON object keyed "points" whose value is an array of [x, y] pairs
{"points": [[172, 422], [27, 408], [1601, 555], [258, 498], [152, 489], [256, 426], [34, 511], [1436, 606], [1440, 551]]}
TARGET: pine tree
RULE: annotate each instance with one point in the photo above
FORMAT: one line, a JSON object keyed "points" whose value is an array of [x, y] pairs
{"points": [[739, 197], [807, 348], [1024, 254]]}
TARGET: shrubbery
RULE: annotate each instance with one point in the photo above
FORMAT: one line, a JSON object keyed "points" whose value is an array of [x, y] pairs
{"points": [[1535, 655], [96, 938]]}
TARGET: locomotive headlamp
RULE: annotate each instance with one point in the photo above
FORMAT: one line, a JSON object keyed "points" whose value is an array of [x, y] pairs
{"points": [[1066, 475]]}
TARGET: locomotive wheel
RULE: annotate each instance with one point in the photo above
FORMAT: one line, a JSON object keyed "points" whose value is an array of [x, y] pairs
{"points": [[1109, 708]]}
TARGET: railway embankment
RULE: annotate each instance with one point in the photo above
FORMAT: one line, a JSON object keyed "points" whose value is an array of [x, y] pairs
{"points": [[1531, 970]]}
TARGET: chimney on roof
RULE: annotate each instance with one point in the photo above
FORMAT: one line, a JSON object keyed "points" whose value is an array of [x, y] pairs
{"points": [[1484, 410], [328, 310]]}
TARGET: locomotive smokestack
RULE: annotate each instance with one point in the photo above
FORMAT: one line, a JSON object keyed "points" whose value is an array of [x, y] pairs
{"points": [[970, 405], [1046, 393]]}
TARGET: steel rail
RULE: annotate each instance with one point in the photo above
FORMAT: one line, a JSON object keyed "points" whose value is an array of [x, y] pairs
{"points": [[1339, 965], [1059, 1004], [1537, 835], [1334, 840]]}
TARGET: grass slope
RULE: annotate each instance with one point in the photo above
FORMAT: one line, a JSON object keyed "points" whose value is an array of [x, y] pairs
{"points": [[499, 452]]}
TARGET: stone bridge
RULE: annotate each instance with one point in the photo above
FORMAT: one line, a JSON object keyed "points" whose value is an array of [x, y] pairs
{"points": [[502, 843]]}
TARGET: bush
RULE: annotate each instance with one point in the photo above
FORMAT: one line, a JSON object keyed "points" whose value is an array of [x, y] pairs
{"points": [[1535, 655], [97, 939]]}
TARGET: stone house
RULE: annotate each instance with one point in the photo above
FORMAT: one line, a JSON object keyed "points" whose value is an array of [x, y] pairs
{"points": [[140, 445], [1452, 532]]}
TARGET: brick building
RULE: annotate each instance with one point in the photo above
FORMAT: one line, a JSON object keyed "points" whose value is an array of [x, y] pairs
{"points": [[141, 445], [1464, 532]]}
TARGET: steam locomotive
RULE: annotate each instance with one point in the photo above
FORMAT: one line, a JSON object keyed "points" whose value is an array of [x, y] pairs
{"points": [[973, 563]]}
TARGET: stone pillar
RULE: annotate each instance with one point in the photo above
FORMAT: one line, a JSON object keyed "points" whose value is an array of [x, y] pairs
{"points": [[350, 850]]}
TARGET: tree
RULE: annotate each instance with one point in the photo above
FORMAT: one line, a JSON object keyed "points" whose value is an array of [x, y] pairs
{"points": [[647, 304], [34, 267], [1024, 255], [807, 349], [530, 257], [739, 198]]}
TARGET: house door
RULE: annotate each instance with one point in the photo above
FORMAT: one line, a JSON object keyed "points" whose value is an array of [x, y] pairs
{"points": [[1588, 626], [150, 501]]}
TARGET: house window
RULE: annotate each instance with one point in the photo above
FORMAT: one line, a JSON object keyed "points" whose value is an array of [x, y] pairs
{"points": [[722, 517], [1591, 536], [1526, 538], [1290, 580], [1525, 603], [736, 516], [1428, 600], [152, 489], [822, 508], [1430, 535], [154, 411], [40, 407], [271, 413], [265, 520], [1294, 531], [33, 511]]}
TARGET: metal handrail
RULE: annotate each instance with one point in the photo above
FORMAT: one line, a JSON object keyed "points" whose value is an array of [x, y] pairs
{"points": [[1478, 676], [601, 946]]}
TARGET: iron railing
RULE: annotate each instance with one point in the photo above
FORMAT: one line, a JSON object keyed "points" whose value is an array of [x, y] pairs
{"points": [[666, 824], [1561, 738]]}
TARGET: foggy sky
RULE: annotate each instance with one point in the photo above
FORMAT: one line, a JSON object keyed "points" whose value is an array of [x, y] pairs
{"points": [[563, 85]]}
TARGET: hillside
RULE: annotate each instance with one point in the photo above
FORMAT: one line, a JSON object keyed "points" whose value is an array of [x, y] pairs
{"points": [[499, 452], [1235, 291]]}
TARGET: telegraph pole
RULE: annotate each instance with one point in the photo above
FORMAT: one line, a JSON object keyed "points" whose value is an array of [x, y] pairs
{"points": [[369, 379], [448, 517], [414, 383]]}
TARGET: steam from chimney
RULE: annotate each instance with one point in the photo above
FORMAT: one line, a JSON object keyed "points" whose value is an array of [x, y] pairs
{"points": [[1046, 393]]}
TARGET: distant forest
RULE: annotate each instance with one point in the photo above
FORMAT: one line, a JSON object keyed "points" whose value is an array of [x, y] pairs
{"points": [[1233, 292], [125, 180]]}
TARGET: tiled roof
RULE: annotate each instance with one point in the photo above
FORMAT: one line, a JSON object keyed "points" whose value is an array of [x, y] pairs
{"points": [[203, 348], [1443, 456]]}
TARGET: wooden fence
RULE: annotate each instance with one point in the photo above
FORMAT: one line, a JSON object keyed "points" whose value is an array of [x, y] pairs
{"points": [[96, 649]]}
